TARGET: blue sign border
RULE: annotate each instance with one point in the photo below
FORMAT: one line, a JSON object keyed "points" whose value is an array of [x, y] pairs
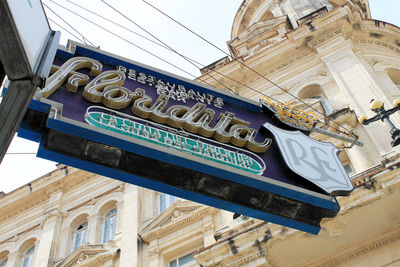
{"points": [[85, 132]]}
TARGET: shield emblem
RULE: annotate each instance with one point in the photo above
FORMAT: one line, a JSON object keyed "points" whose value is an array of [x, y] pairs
{"points": [[313, 160]]}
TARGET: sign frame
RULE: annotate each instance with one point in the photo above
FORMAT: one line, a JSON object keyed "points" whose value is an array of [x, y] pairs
{"points": [[42, 125]]}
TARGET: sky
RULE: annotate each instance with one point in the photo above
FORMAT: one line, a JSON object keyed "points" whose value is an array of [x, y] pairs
{"points": [[212, 19]]}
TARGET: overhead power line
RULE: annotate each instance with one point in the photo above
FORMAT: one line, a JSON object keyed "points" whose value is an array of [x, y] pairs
{"points": [[20, 153], [348, 132], [139, 47], [169, 47], [124, 39], [72, 27], [159, 43], [78, 38], [186, 58]]}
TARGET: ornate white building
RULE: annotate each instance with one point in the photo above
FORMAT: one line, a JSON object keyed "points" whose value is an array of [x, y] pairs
{"points": [[329, 55]]}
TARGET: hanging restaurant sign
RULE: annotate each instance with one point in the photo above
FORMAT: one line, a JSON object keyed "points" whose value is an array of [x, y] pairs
{"points": [[131, 122]]}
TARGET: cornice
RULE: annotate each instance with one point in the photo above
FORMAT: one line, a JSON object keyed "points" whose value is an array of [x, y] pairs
{"points": [[249, 258], [288, 62], [323, 20], [324, 37], [365, 250], [379, 43], [89, 255], [27, 205], [166, 226], [39, 194]]}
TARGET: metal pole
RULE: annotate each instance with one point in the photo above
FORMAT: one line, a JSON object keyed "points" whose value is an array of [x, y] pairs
{"points": [[13, 108], [338, 136], [2, 74]]}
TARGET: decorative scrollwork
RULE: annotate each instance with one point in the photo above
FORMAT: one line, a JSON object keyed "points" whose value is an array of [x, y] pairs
{"points": [[288, 114]]}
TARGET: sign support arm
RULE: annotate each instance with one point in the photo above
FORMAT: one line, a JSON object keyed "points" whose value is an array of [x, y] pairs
{"points": [[12, 109]]}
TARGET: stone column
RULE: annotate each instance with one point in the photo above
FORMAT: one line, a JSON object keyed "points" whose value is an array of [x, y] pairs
{"points": [[13, 258], [154, 255], [128, 226], [358, 86], [208, 231], [93, 229], [46, 246]]}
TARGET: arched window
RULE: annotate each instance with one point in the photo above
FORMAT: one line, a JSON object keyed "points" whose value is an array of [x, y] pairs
{"points": [[394, 75], [27, 257], [80, 235], [3, 262], [184, 261], [314, 95], [345, 160], [3, 258], [110, 225], [164, 201]]}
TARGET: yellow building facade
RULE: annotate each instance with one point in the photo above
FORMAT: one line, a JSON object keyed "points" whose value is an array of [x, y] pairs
{"points": [[326, 56]]}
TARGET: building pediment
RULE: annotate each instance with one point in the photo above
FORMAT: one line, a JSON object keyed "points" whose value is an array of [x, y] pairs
{"points": [[262, 27], [176, 216], [90, 255], [259, 34]]}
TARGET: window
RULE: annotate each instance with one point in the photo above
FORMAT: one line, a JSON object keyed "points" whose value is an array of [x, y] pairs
{"points": [[185, 261], [394, 75], [344, 159], [313, 94], [80, 235], [28, 257], [3, 262], [110, 225], [348, 169], [164, 201]]}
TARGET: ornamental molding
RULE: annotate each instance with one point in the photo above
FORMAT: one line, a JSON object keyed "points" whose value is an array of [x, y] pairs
{"points": [[52, 214], [248, 13], [391, 29], [27, 205], [176, 218], [288, 62], [327, 18], [325, 37], [367, 41], [90, 255], [363, 251], [250, 257]]}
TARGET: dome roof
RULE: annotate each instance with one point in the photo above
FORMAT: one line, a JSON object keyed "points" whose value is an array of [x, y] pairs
{"points": [[253, 11]]}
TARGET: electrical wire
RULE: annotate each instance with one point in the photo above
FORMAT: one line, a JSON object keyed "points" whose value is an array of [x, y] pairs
{"points": [[350, 133], [20, 153], [143, 48], [188, 59], [69, 25], [122, 38], [162, 45], [123, 27], [79, 39], [169, 47]]}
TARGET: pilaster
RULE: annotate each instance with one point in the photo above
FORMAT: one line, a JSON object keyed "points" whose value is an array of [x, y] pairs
{"points": [[358, 86], [46, 248], [14, 258], [154, 255], [208, 233], [129, 226], [93, 228]]}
